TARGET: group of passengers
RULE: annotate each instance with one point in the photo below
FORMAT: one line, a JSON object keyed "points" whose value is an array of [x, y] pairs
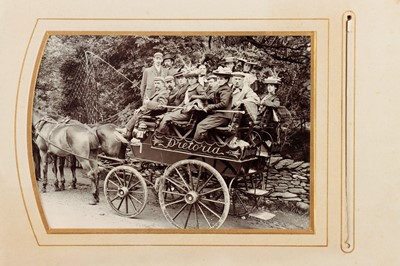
{"points": [[175, 93]]}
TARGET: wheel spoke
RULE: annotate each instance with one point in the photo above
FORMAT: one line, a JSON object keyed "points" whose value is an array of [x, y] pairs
{"points": [[187, 218], [133, 197], [190, 177], [119, 206], [118, 178], [173, 193], [123, 177], [175, 202], [176, 184], [129, 181], [134, 185], [184, 182], [133, 204], [126, 205], [204, 185], [210, 191], [179, 212], [137, 192], [112, 190], [205, 217], [113, 183], [116, 197], [205, 206], [195, 215], [200, 169]]}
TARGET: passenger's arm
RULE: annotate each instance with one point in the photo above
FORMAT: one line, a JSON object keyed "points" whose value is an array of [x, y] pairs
{"points": [[225, 98]]}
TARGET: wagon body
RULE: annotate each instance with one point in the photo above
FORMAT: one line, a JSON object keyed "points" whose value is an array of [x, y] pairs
{"points": [[201, 183]]}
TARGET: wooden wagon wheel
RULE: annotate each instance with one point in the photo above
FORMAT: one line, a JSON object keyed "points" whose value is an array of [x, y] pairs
{"points": [[126, 191], [195, 185]]}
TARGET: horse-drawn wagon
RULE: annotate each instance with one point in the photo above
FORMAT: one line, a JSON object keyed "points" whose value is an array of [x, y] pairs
{"points": [[201, 182]]}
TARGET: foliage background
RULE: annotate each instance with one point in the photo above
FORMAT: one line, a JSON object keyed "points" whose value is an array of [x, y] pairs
{"points": [[96, 79]]}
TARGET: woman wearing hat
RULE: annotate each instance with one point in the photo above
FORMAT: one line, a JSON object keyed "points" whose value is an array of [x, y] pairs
{"points": [[271, 99]]}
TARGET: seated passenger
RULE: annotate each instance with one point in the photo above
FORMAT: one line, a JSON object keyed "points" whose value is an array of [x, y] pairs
{"points": [[176, 97], [244, 95], [153, 106], [211, 88], [171, 87], [221, 100], [183, 114], [270, 100]]}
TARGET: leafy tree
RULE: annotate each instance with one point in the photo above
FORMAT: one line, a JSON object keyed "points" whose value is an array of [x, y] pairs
{"points": [[96, 78]]}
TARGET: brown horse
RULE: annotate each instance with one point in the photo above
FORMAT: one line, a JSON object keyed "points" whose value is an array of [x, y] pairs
{"points": [[63, 139], [109, 142]]}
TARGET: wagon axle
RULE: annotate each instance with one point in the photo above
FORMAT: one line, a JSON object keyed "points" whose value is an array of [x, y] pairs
{"points": [[191, 197]]}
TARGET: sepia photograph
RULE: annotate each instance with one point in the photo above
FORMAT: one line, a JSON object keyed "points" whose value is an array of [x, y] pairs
{"points": [[171, 131]]}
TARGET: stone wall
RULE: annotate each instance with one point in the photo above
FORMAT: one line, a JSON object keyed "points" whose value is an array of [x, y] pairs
{"points": [[290, 182]]}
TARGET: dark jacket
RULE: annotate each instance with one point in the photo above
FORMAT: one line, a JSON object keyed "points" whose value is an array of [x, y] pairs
{"points": [[195, 89], [222, 100], [147, 85]]}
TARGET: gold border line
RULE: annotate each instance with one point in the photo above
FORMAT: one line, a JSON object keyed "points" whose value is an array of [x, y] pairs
{"points": [[327, 135], [183, 33], [176, 231], [15, 134], [184, 19], [312, 195]]}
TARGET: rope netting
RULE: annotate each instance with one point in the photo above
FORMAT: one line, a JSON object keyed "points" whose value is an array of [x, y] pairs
{"points": [[85, 92]]}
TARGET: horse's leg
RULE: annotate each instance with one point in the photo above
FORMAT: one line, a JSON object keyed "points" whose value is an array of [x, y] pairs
{"points": [[94, 165], [92, 174], [55, 160], [61, 170], [44, 156], [36, 160], [73, 171]]}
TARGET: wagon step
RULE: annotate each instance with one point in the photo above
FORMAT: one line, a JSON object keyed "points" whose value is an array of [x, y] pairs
{"points": [[258, 192], [262, 215]]}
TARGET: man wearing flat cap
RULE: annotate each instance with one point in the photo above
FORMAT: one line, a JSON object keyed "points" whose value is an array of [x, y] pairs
{"points": [[221, 99], [152, 106], [156, 70]]}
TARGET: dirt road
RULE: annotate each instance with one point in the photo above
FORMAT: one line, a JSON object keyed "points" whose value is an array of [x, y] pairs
{"points": [[70, 209]]}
